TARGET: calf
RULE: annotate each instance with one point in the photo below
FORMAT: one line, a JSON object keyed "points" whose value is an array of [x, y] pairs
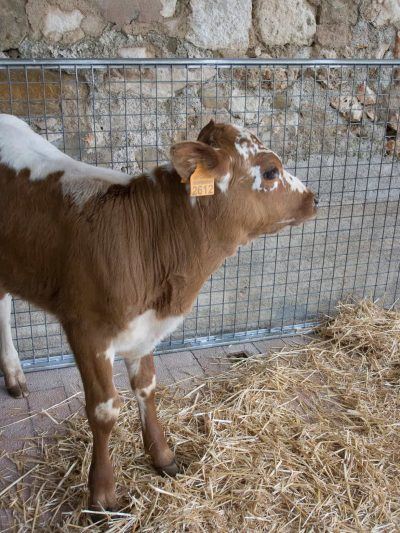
{"points": [[120, 260]]}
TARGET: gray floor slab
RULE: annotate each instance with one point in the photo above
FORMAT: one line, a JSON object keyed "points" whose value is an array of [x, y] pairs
{"points": [[183, 367], [51, 407]]}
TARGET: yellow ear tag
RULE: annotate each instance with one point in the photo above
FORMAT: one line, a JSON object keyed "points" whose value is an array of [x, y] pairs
{"points": [[200, 183]]}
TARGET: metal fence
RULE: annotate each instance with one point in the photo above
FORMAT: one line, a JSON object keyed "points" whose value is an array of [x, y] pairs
{"points": [[334, 123]]}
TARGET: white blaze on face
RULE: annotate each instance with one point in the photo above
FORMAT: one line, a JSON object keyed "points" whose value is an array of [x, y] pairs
{"points": [[255, 172], [106, 412], [247, 144], [294, 183]]}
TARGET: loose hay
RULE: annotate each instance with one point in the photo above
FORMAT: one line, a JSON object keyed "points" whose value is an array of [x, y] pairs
{"points": [[307, 439]]}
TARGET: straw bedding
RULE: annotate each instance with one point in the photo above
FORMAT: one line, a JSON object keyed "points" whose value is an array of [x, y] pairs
{"points": [[305, 439]]}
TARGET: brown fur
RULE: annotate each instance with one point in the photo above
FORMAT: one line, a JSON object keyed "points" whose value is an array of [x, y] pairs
{"points": [[133, 248]]}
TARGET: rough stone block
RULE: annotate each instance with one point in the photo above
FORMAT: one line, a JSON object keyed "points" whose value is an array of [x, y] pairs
{"points": [[123, 12], [336, 18], [13, 23], [168, 8], [58, 22], [381, 12], [67, 22], [133, 52], [348, 106], [281, 23], [118, 12], [219, 25]]}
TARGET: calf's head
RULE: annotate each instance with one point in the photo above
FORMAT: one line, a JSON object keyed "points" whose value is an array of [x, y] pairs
{"points": [[266, 198]]}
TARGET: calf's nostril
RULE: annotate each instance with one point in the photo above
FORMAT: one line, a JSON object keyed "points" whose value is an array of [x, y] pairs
{"points": [[316, 200]]}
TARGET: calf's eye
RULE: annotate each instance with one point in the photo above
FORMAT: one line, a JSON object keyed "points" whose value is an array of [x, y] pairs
{"points": [[271, 174]]}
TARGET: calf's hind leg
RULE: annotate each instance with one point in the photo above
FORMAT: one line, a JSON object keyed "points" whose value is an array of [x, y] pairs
{"points": [[95, 364], [9, 361], [143, 381]]}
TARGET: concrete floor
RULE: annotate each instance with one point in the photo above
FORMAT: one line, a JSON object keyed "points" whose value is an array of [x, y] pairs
{"points": [[51, 390]]}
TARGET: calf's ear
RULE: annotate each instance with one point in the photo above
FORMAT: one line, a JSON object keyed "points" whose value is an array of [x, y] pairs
{"points": [[186, 156], [205, 133]]}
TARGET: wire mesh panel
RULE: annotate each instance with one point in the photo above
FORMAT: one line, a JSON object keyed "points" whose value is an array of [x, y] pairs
{"points": [[335, 126]]}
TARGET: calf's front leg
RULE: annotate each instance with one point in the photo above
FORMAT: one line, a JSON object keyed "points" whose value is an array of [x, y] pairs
{"points": [[95, 364], [143, 381]]}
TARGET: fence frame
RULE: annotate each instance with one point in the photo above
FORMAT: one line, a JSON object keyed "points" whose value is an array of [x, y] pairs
{"points": [[57, 361]]}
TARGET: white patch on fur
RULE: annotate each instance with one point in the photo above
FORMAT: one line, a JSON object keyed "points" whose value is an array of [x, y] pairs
{"points": [[246, 144], [223, 183], [274, 187], [9, 360], [288, 221], [294, 183], [21, 147], [133, 367], [144, 333], [255, 172], [109, 354], [146, 391], [142, 410], [242, 149], [106, 412], [142, 395]]}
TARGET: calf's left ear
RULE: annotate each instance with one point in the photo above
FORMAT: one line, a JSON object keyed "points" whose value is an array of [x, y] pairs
{"points": [[186, 156]]}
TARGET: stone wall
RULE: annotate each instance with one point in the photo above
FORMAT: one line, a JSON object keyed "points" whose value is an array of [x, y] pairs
{"points": [[199, 28], [286, 107]]}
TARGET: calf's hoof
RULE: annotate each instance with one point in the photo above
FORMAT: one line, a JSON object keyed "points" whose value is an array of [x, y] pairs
{"points": [[16, 386], [99, 514], [102, 492], [100, 505], [172, 469]]}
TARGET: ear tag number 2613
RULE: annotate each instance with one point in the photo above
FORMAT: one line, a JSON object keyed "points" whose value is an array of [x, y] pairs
{"points": [[200, 183]]}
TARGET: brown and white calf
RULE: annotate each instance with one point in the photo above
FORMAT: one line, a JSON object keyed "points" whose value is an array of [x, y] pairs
{"points": [[120, 260]]}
